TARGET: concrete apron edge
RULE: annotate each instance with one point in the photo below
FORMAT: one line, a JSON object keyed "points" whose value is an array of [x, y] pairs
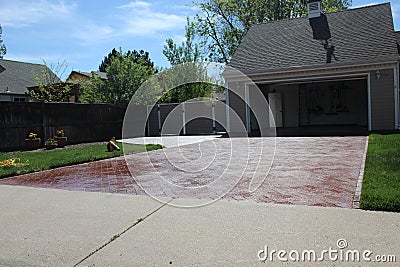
{"points": [[357, 193]]}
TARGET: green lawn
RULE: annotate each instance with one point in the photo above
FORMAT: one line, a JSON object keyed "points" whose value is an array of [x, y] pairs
{"points": [[49, 159], [381, 184]]}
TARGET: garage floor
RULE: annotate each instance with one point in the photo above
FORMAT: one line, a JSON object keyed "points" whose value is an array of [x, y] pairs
{"points": [[313, 171]]}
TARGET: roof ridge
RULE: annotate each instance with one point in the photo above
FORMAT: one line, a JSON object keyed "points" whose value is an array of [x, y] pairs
{"points": [[95, 71], [334, 12], [21, 62]]}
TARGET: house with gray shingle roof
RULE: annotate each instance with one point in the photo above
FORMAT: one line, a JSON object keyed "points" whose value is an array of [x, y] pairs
{"points": [[348, 79], [79, 78], [16, 77]]}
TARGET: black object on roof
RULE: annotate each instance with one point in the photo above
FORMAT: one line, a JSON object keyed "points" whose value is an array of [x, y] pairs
{"points": [[320, 28]]}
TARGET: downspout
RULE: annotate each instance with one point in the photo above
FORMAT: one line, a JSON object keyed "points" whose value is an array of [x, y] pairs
{"points": [[228, 121], [369, 102], [247, 101], [396, 96]]}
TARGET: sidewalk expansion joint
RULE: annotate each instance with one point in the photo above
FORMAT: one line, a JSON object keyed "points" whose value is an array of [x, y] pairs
{"points": [[115, 237]]}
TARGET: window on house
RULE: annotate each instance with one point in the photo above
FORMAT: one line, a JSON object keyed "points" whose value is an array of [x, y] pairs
{"points": [[19, 99]]}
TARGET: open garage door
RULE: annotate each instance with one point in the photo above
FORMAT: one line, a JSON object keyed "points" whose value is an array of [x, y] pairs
{"points": [[333, 103], [328, 105]]}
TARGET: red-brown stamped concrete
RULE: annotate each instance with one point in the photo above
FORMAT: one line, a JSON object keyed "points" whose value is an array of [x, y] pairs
{"points": [[317, 171]]}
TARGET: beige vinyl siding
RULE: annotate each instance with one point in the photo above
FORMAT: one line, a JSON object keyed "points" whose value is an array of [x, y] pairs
{"points": [[382, 100]]}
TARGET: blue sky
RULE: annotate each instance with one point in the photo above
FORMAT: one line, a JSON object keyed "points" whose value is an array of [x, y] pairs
{"points": [[83, 32]]}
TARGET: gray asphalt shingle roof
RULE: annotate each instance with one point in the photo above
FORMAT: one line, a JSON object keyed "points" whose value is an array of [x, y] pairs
{"points": [[17, 76], [359, 35]]}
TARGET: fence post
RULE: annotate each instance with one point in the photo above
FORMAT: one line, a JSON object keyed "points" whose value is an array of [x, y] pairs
{"points": [[213, 116], [183, 119], [44, 123], [147, 119], [159, 119]]}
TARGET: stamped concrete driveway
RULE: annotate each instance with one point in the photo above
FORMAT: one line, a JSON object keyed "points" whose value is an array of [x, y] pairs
{"points": [[315, 171]]}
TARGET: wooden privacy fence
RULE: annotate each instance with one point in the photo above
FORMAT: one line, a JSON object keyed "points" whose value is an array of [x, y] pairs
{"points": [[81, 122], [99, 122]]}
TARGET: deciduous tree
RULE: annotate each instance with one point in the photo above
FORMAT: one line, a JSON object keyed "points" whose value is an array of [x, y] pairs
{"points": [[181, 72], [50, 88], [3, 49], [125, 74]]}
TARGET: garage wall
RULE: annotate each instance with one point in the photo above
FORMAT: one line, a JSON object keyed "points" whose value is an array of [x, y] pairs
{"points": [[359, 108], [290, 104], [382, 100]]}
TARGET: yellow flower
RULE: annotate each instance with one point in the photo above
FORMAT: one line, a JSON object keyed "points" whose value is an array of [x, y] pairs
{"points": [[32, 135], [60, 133]]}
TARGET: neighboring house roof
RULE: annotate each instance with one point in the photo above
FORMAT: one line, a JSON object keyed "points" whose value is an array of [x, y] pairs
{"points": [[88, 75], [359, 35], [17, 76]]}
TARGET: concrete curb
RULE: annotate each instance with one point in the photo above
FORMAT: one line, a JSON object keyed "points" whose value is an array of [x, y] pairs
{"points": [[357, 194]]}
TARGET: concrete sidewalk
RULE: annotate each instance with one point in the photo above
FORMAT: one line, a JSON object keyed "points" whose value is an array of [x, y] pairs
{"points": [[47, 227]]}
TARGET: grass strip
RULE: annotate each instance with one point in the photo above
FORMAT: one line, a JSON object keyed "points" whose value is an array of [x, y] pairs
{"points": [[50, 159], [381, 183]]}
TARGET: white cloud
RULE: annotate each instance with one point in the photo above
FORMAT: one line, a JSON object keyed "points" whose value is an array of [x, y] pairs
{"points": [[134, 19], [142, 19], [93, 33], [137, 4], [186, 7], [65, 19], [178, 39], [19, 13], [151, 23]]}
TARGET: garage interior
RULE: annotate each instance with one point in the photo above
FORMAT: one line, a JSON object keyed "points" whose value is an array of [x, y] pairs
{"points": [[318, 107]]}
